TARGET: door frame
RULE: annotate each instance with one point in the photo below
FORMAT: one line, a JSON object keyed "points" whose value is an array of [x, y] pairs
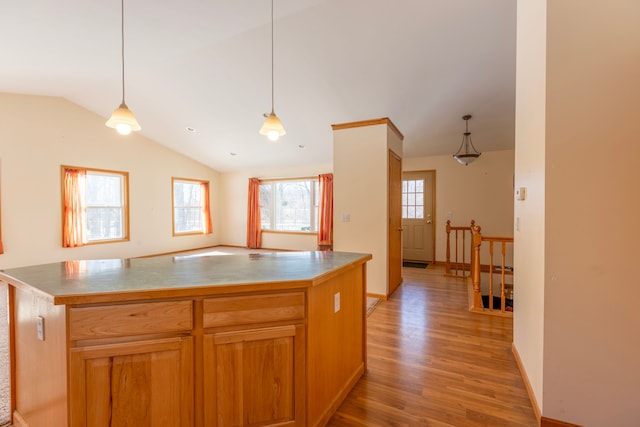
{"points": [[394, 258], [433, 201]]}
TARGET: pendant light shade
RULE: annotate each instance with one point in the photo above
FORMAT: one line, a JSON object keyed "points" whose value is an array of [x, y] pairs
{"points": [[122, 119], [467, 153], [272, 126]]}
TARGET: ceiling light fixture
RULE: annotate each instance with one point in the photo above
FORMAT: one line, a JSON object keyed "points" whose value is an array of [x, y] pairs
{"points": [[272, 126], [122, 119], [464, 156]]}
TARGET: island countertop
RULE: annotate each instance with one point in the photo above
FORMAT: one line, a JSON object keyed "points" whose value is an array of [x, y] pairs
{"points": [[91, 281]]}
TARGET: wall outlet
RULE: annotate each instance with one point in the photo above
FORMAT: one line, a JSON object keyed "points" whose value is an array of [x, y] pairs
{"points": [[40, 327], [336, 302]]}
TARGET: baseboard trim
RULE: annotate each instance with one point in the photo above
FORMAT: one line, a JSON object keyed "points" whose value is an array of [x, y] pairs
{"points": [[548, 422], [381, 297], [18, 421], [527, 384]]}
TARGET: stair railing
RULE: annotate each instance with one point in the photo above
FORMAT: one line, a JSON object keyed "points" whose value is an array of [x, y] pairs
{"points": [[477, 268], [459, 266]]}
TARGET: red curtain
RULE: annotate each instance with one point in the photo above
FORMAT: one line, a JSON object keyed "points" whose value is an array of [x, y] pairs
{"points": [[73, 229], [254, 227], [325, 212], [206, 209]]}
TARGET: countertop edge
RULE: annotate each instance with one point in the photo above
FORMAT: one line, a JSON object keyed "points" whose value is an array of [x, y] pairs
{"points": [[181, 292]]}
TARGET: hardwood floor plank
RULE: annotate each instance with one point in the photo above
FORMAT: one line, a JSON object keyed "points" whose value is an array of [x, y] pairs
{"points": [[433, 363]]}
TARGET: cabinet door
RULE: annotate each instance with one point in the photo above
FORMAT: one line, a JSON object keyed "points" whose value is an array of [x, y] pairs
{"points": [[254, 377], [141, 384]]}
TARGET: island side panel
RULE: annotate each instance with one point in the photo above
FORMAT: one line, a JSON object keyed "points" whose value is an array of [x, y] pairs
{"points": [[336, 344], [40, 369]]}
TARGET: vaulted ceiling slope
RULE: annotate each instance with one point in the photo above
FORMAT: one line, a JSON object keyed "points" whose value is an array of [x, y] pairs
{"points": [[206, 65]]}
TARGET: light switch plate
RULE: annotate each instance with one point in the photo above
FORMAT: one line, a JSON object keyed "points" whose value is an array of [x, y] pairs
{"points": [[40, 327]]}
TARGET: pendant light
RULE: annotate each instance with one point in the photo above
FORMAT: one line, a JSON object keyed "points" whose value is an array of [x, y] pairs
{"points": [[272, 126], [122, 119], [467, 153]]}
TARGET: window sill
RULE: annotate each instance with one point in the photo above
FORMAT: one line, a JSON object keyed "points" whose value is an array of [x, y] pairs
{"points": [[304, 233]]}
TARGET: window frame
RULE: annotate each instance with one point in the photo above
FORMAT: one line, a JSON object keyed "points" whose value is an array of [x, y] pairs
{"points": [[414, 204], [173, 205], [313, 202], [124, 196]]}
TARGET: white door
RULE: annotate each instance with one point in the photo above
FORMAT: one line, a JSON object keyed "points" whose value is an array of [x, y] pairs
{"points": [[417, 216]]}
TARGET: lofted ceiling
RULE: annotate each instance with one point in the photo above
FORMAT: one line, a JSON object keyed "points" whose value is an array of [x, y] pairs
{"points": [[205, 64]]}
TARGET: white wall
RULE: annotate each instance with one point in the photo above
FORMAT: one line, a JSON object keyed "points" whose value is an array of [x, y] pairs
{"points": [[37, 135], [234, 190], [591, 339], [482, 191], [529, 256]]}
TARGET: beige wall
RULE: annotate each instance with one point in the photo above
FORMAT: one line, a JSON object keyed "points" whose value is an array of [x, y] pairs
{"points": [[529, 257], [591, 339], [360, 156], [585, 118], [234, 189], [37, 135], [482, 191]]}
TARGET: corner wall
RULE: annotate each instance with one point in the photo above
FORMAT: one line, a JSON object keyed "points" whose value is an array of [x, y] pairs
{"points": [[234, 190], [529, 237], [37, 135], [360, 199]]}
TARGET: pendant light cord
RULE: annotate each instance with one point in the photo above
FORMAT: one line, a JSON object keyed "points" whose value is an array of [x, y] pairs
{"points": [[122, 43], [272, 67]]}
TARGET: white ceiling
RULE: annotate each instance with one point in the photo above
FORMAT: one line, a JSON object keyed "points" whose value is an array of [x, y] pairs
{"points": [[206, 64]]}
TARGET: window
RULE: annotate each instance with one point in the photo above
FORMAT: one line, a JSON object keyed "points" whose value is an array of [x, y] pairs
{"points": [[413, 199], [95, 206], [290, 205], [191, 213]]}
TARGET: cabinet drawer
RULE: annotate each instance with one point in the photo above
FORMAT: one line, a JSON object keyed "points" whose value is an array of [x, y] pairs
{"points": [[130, 319], [244, 310]]}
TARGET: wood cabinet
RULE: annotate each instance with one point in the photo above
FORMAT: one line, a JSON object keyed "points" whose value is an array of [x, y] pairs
{"points": [[254, 377], [220, 355], [142, 384]]}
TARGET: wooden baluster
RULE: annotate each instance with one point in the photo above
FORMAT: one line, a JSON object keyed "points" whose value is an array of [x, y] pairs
{"points": [[475, 268], [457, 263], [491, 275], [473, 223], [503, 301], [447, 265], [464, 245]]}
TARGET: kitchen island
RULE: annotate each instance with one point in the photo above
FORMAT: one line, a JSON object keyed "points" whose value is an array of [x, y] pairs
{"points": [[236, 340]]}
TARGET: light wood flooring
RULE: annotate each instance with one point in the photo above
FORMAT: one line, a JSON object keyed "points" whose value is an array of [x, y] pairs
{"points": [[432, 363]]}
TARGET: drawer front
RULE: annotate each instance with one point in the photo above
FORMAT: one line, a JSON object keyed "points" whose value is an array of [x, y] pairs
{"points": [[130, 319], [244, 310]]}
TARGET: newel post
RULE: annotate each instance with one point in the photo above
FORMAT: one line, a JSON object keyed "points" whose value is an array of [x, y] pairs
{"points": [[475, 266], [447, 265]]}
